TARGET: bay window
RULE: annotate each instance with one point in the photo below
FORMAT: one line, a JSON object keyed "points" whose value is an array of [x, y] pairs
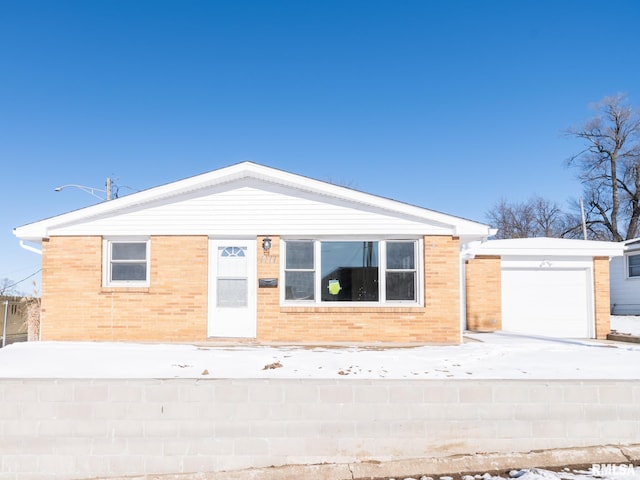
{"points": [[371, 271]]}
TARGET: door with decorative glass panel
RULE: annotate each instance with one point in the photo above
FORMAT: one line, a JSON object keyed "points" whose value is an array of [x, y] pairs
{"points": [[232, 288]]}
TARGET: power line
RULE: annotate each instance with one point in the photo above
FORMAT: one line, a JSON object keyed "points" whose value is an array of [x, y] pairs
{"points": [[7, 287]]}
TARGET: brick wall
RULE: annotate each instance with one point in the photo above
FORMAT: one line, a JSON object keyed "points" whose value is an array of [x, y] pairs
{"points": [[73, 429], [601, 296], [268, 302], [438, 321], [483, 276], [75, 305]]}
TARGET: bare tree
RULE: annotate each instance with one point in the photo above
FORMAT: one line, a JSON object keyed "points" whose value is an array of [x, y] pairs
{"points": [[609, 168], [511, 220], [7, 287], [537, 217], [593, 225], [548, 217]]}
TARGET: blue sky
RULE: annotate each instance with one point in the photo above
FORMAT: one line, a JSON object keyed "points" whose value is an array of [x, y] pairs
{"points": [[451, 105]]}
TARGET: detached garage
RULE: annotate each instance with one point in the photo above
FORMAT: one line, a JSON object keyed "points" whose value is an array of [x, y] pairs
{"points": [[539, 286]]}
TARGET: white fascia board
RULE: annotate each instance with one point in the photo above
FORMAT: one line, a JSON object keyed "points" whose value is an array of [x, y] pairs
{"points": [[467, 239], [561, 247], [42, 228], [30, 233], [455, 225]]}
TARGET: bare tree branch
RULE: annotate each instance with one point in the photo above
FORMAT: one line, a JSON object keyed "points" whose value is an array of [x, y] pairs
{"points": [[536, 217], [608, 165]]}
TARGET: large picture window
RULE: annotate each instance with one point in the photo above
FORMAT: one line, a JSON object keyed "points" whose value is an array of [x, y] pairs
{"points": [[370, 271], [349, 271], [126, 262]]}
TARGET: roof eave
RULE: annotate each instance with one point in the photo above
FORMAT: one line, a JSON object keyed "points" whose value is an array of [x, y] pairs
{"points": [[547, 247], [458, 226]]}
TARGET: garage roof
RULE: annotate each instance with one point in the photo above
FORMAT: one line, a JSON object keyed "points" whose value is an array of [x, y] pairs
{"points": [[544, 246]]}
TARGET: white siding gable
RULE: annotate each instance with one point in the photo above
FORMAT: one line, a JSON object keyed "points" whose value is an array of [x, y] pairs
{"points": [[250, 199], [252, 207]]}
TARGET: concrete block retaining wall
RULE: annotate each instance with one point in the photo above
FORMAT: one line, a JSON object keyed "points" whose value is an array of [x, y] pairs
{"points": [[71, 429]]}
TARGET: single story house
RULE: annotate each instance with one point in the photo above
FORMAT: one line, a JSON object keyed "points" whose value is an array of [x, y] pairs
{"points": [[625, 280], [540, 286], [252, 252]]}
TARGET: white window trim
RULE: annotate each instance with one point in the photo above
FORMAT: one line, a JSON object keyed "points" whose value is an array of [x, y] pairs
{"points": [[106, 262], [382, 269], [626, 266], [418, 269]]}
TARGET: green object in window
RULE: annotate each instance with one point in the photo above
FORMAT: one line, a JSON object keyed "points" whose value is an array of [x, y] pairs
{"points": [[334, 287]]}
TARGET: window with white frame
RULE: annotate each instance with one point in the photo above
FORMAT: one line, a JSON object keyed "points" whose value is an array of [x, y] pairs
{"points": [[126, 262], [374, 271], [633, 262], [401, 271], [299, 274]]}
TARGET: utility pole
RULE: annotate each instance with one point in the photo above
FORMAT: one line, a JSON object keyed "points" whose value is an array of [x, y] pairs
{"points": [[584, 223], [108, 185]]}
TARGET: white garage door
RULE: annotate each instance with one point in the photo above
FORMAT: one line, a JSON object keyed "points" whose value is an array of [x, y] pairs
{"points": [[547, 302]]}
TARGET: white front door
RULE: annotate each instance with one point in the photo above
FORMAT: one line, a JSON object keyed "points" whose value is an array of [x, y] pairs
{"points": [[232, 288]]}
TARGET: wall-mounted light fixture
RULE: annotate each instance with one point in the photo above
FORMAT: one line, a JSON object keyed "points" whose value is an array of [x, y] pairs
{"points": [[266, 244]]}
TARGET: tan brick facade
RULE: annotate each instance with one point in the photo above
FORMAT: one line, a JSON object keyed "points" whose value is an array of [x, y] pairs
{"points": [[438, 321], [174, 308], [483, 277], [75, 305], [601, 296]]}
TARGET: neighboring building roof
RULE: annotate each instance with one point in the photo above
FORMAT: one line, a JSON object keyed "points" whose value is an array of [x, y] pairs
{"points": [[92, 219], [631, 245], [544, 246]]}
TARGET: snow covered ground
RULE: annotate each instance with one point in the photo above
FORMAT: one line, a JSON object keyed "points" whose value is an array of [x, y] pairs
{"points": [[626, 324], [617, 472], [482, 356]]}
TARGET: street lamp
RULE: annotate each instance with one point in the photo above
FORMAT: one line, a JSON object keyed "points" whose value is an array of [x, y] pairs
{"points": [[89, 190]]}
